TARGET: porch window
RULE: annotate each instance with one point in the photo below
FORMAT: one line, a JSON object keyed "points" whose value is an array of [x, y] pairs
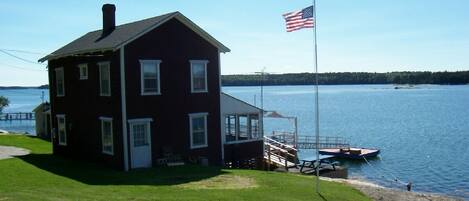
{"points": [[60, 81], [254, 126], [104, 79], [242, 127], [230, 128], [150, 77], [62, 131], [199, 76], [83, 70], [198, 130], [106, 135]]}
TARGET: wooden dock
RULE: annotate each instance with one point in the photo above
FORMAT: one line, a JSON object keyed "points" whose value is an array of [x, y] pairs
{"points": [[17, 116], [309, 142]]}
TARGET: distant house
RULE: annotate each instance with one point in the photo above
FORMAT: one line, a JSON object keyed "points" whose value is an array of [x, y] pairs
{"points": [[127, 95], [42, 117]]}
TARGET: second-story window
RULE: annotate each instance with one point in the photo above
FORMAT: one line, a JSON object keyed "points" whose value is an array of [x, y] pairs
{"points": [[199, 76], [150, 77], [60, 81], [104, 79], [83, 68]]}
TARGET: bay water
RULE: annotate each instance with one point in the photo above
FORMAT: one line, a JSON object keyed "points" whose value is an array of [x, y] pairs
{"points": [[422, 132]]}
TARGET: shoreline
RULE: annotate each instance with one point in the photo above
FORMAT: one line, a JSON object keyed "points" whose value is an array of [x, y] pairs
{"points": [[378, 192]]}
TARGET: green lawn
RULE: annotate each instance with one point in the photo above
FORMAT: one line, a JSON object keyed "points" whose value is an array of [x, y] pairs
{"points": [[43, 176]]}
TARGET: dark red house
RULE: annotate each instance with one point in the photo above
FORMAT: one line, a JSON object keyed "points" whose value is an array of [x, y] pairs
{"points": [[129, 95]]}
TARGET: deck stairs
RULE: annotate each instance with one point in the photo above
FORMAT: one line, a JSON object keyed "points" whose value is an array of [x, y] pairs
{"points": [[279, 154]]}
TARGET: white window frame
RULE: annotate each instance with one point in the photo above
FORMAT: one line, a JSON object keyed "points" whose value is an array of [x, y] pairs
{"points": [[61, 70], [142, 85], [80, 68], [59, 116], [204, 62], [107, 119], [198, 115], [102, 65]]}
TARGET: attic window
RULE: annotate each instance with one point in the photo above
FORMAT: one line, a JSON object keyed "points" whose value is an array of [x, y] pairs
{"points": [[199, 76], [83, 68]]}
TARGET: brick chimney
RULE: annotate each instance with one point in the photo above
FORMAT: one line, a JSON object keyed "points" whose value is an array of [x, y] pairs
{"points": [[109, 19]]}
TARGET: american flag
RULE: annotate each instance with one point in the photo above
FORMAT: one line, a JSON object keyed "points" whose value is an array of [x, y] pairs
{"points": [[299, 19]]}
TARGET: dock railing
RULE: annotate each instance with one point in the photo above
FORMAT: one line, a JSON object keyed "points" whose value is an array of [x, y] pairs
{"points": [[309, 142], [17, 116]]}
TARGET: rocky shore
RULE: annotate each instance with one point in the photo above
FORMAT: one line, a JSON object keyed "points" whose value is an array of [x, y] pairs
{"points": [[380, 193]]}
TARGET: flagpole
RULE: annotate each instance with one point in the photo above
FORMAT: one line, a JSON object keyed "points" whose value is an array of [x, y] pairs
{"points": [[317, 93]]}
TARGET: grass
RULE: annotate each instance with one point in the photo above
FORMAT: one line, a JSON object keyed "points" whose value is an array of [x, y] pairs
{"points": [[43, 176]]}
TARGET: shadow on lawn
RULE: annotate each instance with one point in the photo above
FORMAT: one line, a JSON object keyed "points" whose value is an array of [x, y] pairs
{"points": [[95, 174]]}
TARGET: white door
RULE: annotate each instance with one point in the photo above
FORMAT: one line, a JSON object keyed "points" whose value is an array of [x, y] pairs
{"points": [[140, 145]]}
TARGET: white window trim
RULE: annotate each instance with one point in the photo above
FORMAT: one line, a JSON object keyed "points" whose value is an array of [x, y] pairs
{"points": [[157, 63], [106, 119], [81, 66], [63, 82], [197, 115], [101, 64], [205, 62], [58, 129], [140, 120]]}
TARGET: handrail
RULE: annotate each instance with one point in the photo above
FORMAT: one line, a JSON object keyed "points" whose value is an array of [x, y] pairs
{"points": [[281, 144]]}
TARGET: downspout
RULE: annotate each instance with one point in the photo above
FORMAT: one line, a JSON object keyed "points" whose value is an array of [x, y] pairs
{"points": [[222, 137], [124, 109]]}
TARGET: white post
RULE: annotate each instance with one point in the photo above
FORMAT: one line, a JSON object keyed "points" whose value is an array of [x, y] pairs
{"points": [[315, 20]]}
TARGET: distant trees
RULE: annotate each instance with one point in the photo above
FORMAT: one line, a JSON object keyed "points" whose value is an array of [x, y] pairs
{"points": [[3, 103], [425, 77]]}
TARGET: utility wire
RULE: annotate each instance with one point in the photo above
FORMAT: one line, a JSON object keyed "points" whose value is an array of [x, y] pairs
{"points": [[23, 51], [21, 68], [20, 58]]}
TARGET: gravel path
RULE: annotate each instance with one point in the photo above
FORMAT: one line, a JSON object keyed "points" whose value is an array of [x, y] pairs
{"points": [[380, 193], [10, 152]]}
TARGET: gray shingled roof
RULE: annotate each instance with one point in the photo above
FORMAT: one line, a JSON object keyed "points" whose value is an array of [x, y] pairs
{"points": [[92, 41]]}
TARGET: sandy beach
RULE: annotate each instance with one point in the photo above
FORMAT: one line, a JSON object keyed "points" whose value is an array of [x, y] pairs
{"points": [[388, 194]]}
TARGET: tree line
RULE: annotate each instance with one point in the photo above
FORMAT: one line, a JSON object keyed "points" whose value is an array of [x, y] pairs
{"points": [[425, 77]]}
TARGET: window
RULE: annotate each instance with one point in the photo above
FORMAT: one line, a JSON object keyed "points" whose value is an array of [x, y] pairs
{"points": [[199, 76], [230, 128], [104, 79], [60, 81], [242, 127], [140, 137], [83, 68], [198, 130], [62, 129], [150, 77], [254, 126], [106, 135]]}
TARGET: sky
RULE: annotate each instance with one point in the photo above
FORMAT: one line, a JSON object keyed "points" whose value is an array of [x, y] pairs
{"points": [[353, 36]]}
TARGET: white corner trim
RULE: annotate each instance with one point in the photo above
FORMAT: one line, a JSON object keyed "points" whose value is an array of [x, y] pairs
{"points": [[124, 109], [222, 120], [140, 120]]}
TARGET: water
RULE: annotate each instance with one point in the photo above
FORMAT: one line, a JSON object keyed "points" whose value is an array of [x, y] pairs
{"points": [[423, 133], [22, 100]]}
